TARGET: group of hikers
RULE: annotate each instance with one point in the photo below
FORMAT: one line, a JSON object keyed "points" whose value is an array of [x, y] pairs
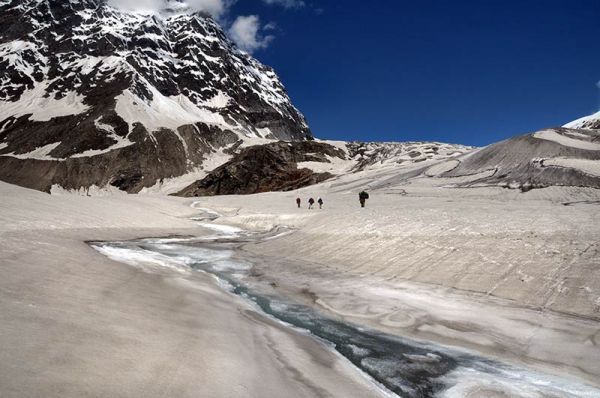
{"points": [[362, 198], [311, 203]]}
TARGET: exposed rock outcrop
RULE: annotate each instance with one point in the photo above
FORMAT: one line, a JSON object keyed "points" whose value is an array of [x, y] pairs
{"points": [[270, 167]]}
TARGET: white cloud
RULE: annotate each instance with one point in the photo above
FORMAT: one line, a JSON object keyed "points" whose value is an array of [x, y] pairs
{"points": [[146, 5], [216, 8], [273, 26], [246, 33], [287, 3]]}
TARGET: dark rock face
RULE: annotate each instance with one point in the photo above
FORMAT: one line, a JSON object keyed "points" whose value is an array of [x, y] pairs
{"points": [[93, 95], [547, 158], [263, 168], [129, 169]]}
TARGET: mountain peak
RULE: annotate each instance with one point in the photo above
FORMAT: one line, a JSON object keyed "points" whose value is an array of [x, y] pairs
{"points": [[591, 122]]}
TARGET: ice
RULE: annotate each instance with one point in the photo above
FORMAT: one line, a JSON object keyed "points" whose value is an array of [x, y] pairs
{"points": [[144, 259], [469, 382], [226, 230]]}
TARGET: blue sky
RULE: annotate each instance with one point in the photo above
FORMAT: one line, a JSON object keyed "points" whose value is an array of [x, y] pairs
{"points": [[471, 72]]}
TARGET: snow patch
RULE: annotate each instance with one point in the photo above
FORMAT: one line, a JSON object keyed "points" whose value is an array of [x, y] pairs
{"points": [[334, 166], [34, 102], [441, 168], [120, 141], [162, 111], [221, 100], [551, 135], [146, 260], [14, 53], [94, 190], [176, 184], [40, 153], [587, 166]]}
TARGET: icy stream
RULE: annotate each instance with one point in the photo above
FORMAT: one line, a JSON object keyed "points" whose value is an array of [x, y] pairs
{"points": [[405, 367]]}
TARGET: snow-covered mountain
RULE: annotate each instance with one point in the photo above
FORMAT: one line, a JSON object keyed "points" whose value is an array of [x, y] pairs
{"points": [[591, 122], [94, 95]]}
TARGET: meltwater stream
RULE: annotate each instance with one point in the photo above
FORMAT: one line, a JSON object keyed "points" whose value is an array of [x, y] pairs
{"points": [[404, 367]]}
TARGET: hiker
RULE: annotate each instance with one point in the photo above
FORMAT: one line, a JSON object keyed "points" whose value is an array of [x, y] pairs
{"points": [[298, 201], [320, 202], [311, 202], [362, 197]]}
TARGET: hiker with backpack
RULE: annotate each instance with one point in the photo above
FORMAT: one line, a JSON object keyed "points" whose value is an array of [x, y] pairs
{"points": [[311, 202], [362, 197], [320, 202]]}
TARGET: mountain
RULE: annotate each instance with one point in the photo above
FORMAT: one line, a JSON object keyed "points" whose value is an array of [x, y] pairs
{"points": [[550, 157], [284, 166], [591, 122], [562, 156], [94, 95]]}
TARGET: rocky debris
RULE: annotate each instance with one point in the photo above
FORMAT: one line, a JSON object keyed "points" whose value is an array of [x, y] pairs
{"points": [[91, 94], [263, 168]]}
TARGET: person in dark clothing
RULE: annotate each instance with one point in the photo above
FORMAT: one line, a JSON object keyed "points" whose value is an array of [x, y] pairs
{"points": [[362, 197], [298, 201], [320, 202], [311, 202]]}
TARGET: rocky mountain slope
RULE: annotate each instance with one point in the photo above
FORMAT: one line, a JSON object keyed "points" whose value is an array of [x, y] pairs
{"points": [[94, 95], [550, 157], [264, 168]]}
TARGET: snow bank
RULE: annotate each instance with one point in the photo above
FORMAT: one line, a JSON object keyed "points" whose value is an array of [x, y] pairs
{"points": [[552, 135], [441, 168], [587, 166], [334, 166]]}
